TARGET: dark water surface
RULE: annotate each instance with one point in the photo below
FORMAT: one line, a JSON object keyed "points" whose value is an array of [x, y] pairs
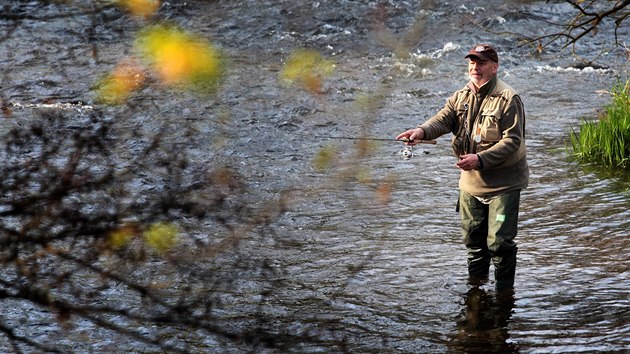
{"points": [[360, 275]]}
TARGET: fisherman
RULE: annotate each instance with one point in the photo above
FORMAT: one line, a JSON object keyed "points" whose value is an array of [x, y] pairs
{"points": [[487, 120]]}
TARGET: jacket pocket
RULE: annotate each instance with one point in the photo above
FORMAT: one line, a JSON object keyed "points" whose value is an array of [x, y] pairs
{"points": [[490, 130]]}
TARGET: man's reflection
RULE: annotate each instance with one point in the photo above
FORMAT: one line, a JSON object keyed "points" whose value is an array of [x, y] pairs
{"points": [[483, 324]]}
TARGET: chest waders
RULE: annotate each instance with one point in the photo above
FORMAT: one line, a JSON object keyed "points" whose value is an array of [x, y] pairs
{"points": [[488, 232]]}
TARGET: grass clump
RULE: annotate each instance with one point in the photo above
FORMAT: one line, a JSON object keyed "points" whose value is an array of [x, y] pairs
{"points": [[607, 140]]}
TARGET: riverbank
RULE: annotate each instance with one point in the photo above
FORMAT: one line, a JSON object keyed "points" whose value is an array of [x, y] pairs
{"points": [[607, 140]]}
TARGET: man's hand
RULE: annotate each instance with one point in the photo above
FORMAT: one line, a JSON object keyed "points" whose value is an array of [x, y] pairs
{"points": [[411, 136], [468, 162]]}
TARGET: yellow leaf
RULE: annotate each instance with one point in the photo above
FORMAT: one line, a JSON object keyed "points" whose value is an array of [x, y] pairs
{"points": [[180, 58], [120, 237], [161, 236], [116, 87], [307, 68], [324, 158], [141, 8], [363, 175]]}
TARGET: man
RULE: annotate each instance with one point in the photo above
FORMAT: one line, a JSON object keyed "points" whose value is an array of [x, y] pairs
{"points": [[487, 120]]}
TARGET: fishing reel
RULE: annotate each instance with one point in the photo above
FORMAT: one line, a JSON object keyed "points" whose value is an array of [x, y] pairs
{"points": [[407, 152]]}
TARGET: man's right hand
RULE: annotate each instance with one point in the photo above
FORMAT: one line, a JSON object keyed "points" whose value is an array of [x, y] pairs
{"points": [[411, 136]]}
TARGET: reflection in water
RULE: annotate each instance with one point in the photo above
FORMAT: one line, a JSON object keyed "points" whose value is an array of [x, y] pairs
{"points": [[483, 323]]}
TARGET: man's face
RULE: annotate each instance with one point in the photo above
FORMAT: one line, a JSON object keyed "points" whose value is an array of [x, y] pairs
{"points": [[481, 71]]}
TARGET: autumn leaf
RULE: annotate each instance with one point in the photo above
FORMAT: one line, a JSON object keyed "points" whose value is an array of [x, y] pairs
{"points": [[308, 69], [325, 157], [161, 236], [141, 8], [117, 86], [181, 59], [384, 192], [121, 236]]}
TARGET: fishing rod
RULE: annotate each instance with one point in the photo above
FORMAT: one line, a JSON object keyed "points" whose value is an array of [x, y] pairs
{"points": [[406, 152], [381, 139]]}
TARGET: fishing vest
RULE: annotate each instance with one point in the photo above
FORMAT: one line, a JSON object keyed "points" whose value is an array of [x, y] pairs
{"points": [[476, 133]]}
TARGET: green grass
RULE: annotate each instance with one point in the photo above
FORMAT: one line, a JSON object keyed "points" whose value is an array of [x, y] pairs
{"points": [[606, 141]]}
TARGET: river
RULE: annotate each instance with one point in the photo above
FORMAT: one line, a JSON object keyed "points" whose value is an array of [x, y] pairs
{"points": [[368, 257]]}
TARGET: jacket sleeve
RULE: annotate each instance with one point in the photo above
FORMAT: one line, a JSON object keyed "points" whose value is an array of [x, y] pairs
{"points": [[512, 125], [444, 122]]}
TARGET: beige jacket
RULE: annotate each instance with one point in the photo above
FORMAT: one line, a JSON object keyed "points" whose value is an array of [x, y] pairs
{"points": [[490, 123]]}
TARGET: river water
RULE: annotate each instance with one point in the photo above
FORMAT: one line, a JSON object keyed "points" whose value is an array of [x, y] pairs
{"points": [[368, 258]]}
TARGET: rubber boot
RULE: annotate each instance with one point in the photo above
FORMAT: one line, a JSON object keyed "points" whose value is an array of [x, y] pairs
{"points": [[504, 271], [478, 266]]}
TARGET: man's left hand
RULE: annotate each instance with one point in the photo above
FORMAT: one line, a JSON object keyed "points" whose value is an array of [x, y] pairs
{"points": [[468, 162]]}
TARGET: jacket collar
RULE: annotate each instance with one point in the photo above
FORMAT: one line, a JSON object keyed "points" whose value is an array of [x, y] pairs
{"points": [[485, 89]]}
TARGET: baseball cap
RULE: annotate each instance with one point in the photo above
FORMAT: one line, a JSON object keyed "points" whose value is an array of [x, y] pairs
{"points": [[484, 52]]}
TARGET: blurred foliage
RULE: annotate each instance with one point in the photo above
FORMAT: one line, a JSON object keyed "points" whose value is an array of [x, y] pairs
{"points": [[176, 57], [122, 236], [79, 210], [182, 59], [127, 77], [145, 9], [308, 69], [161, 236], [125, 228], [385, 189], [325, 158]]}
